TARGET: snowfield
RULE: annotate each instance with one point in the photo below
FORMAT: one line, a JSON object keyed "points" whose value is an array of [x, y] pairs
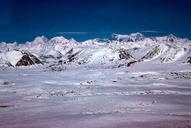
{"points": [[130, 81]]}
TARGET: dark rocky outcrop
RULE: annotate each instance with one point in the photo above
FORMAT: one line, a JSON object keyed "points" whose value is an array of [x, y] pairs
{"points": [[25, 61], [33, 58], [123, 54], [28, 59], [154, 52], [189, 60], [128, 64], [131, 63], [72, 57]]}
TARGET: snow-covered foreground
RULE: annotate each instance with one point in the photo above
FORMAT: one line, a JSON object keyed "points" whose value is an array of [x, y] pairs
{"points": [[86, 96]]}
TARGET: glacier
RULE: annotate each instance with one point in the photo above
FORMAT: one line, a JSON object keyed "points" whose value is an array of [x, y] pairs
{"points": [[126, 81]]}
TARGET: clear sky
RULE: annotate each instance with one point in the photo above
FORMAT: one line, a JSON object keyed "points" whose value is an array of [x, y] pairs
{"points": [[22, 20]]}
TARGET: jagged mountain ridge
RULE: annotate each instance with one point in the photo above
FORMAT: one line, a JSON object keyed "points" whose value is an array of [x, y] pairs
{"points": [[120, 49]]}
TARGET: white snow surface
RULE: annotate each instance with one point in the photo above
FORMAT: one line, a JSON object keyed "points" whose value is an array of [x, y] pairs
{"points": [[13, 57]]}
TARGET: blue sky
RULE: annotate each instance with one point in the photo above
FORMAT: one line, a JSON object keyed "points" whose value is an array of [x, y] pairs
{"points": [[22, 20]]}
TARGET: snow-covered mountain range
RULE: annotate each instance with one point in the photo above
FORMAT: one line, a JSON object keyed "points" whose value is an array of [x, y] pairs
{"points": [[121, 49]]}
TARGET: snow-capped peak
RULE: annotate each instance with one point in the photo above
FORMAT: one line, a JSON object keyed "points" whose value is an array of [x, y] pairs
{"points": [[40, 40], [59, 39], [128, 38]]}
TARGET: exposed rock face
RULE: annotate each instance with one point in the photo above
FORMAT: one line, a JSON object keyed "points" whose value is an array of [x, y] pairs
{"points": [[131, 63], [154, 52], [34, 58], [189, 60], [72, 57], [123, 54], [28, 59], [25, 61]]}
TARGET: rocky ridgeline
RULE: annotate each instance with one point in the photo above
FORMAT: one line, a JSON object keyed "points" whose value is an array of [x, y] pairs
{"points": [[123, 49]]}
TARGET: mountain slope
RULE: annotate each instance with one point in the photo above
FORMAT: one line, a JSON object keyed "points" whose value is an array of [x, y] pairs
{"points": [[120, 49]]}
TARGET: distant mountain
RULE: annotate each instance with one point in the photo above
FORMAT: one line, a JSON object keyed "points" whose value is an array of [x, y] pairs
{"points": [[121, 49], [128, 38]]}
